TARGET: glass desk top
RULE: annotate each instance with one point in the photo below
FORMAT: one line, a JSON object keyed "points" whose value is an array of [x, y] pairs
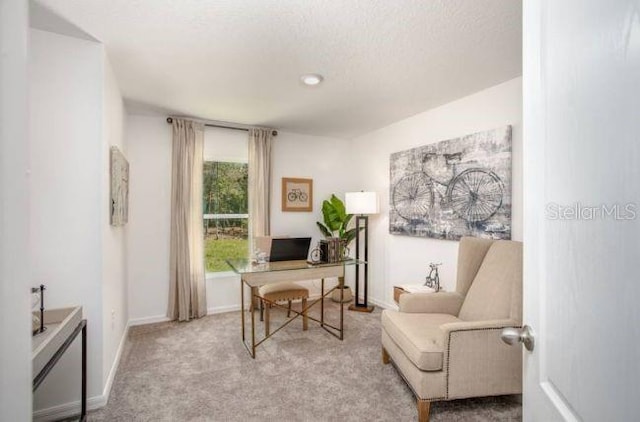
{"points": [[246, 266]]}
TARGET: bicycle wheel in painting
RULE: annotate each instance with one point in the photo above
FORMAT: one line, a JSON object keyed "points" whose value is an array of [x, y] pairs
{"points": [[412, 196], [475, 195]]}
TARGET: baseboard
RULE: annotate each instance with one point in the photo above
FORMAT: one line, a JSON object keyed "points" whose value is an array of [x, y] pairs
{"points": [[114, 366], [222, 309], [67, 410], [148, 320], [381, 304]]}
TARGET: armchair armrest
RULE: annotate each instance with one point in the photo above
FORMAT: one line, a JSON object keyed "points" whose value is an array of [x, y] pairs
{"points": [[436, 303], [478, 362]]}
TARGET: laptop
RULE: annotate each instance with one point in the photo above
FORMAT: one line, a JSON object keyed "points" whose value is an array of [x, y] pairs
{"points": [[289, 249]]}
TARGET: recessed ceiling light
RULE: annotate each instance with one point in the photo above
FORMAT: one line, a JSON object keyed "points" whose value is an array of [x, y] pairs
{"points": [[312, 79]]}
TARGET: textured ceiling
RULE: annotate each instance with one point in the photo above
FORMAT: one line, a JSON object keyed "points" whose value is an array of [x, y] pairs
{"points": [[240, 60]]}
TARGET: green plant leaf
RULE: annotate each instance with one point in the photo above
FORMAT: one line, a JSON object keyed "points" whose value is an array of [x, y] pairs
{"points": [[338, 205], [325, 231], [331, 216], [347, 220]]}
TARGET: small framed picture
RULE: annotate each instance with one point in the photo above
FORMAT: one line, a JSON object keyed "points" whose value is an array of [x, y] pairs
{"points": [[297, 194]]}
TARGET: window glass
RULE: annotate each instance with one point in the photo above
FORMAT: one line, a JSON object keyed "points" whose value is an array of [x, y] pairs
{"points": [[225, 198]]}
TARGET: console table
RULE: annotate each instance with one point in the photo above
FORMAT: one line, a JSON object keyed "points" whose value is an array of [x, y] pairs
{"points": [[80, 328]]}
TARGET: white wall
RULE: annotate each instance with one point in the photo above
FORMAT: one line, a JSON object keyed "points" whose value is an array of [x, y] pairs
{"points": [[149, 149], [149, 153], [66, 176], [76, 114], [404, 260], [15, 346], [114, 275], [329, 163]]}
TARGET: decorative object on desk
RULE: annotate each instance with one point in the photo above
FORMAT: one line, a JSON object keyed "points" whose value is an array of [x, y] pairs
{"points": [[433, 279], [297, 194], [332, 250], [362, 204], [37, 320], [454, 188], [119, 211], [338, 235]]}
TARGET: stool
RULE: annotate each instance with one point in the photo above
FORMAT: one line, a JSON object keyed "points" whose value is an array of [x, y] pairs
{"points": [[279, 292]]}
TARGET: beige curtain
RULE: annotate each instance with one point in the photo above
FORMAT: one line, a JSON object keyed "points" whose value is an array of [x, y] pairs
{"points": [[187, 297], [259, 182]]}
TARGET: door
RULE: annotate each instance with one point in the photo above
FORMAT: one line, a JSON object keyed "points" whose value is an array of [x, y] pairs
{"points": [[581, 80]]}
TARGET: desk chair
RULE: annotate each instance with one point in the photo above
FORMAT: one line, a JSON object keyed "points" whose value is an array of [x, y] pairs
{"points": [[280, 292]]}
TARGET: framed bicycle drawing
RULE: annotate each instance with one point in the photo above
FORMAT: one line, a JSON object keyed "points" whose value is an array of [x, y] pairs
{"points": [[453, 188], [297, 194]]}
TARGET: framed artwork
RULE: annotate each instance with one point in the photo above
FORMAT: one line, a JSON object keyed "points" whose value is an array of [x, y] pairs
{"points": [[119, 203], [297, 194], [454, 188]]}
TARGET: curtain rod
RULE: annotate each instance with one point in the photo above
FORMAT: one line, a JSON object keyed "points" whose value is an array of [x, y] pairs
{"points": [[274, 133]]}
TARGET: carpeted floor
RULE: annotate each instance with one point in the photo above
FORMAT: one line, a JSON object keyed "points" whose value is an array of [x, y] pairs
{"points": [[200, 371]]}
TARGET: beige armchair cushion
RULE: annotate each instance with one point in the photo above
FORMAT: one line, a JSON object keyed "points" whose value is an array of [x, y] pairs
{"points": [[419, 336], [490, 295], [471, 253]]}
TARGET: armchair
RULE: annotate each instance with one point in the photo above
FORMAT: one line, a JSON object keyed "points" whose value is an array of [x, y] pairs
{"points": [[447, 345]]}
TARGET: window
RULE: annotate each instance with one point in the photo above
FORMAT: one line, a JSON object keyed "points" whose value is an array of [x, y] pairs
{"points": [[225, 198]]}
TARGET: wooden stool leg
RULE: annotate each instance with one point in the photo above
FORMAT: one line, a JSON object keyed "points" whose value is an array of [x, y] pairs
{"points": [[423, 410], [305, 320], [289, 310], [267, 311], [385, 356]]}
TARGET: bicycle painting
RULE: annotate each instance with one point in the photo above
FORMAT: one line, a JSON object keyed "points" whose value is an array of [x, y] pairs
{"points": [[454, 188]]}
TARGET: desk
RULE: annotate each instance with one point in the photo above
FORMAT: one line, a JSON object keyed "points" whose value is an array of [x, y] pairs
{"points": [[254, 275]]}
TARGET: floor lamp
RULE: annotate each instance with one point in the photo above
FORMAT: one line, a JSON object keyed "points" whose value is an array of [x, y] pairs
{"points": [[361, 204]]}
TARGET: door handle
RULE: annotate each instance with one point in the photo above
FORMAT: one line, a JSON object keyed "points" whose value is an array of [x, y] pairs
{"points": [[522, 335]]}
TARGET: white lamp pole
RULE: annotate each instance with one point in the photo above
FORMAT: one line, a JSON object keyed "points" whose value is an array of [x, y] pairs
{"points": [[362, 204]]}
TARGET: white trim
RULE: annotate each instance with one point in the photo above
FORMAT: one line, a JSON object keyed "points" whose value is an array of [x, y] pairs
{"points": [[383, 305], [223, 309], [220, 274], [148, 320], [67, 410], [114, 366]]}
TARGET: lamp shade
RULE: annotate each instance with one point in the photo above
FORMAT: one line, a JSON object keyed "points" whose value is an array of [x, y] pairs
{"points": [[361, 202]]}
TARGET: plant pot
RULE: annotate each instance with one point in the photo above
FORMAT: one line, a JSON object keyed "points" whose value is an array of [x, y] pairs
{"points": [[346, 292]]}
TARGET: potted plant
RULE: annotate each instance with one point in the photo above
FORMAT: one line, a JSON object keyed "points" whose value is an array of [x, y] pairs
{"points": [[336, 222]]}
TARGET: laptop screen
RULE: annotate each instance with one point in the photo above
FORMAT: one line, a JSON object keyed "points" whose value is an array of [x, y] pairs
{"points": [[289, 249]]}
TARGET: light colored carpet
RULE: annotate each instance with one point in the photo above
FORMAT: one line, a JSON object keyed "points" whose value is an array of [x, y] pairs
{"points": [[200, 371]]}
